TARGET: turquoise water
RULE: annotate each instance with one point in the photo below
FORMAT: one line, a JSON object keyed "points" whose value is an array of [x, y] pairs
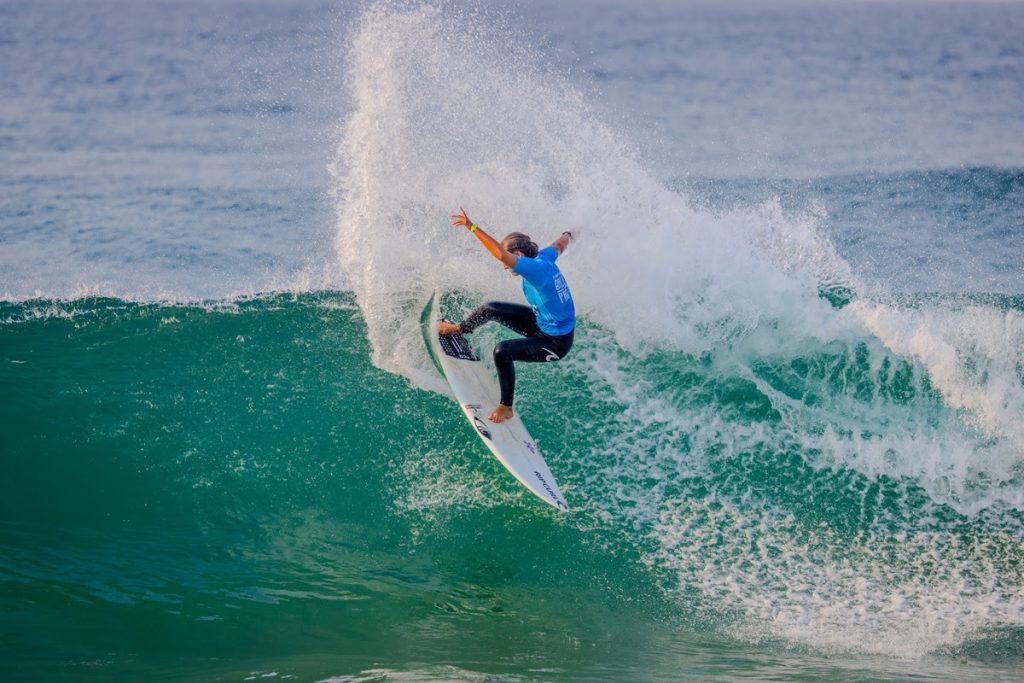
{"points": [[790, 429], [239, 492]]}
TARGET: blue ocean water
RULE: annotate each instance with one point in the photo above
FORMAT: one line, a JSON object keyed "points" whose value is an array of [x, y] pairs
{"points": [[790, 429]]}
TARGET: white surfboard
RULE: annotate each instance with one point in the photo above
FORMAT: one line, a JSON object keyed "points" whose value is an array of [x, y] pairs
{"points": [[477, 393]]}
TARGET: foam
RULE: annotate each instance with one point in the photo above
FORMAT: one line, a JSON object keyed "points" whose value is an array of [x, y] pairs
{"points": [[901, 595], [907, 579], [974, 356]]}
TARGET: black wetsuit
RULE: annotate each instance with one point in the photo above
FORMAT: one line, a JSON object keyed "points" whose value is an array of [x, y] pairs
{"points": [[535, 347]]}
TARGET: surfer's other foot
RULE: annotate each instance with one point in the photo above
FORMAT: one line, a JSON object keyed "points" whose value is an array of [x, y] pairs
{"points": [[448, 328], [501, 413]]}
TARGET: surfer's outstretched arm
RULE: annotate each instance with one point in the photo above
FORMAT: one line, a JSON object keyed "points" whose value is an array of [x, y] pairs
{"points": [[563, 241], [494, 246]]}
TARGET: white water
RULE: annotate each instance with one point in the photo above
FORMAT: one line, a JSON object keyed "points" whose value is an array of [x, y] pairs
{"points": [[445, 118]]}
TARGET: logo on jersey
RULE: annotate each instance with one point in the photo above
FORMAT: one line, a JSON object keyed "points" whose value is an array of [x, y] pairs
{"points": [[562, 288]]}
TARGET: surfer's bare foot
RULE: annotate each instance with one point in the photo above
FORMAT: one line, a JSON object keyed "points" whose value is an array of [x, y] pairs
{"points": [[501, 413], [448, 328]]}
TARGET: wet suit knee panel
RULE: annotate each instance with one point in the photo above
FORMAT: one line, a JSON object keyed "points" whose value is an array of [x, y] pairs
{"points": [[531, 350], [534, 347], [516, 317]]}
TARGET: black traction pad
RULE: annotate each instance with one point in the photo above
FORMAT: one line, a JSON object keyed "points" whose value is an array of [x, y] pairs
{"points": [[456, 346]]}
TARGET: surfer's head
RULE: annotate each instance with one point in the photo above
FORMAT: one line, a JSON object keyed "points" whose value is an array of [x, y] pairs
{"points": [[518, 242]]}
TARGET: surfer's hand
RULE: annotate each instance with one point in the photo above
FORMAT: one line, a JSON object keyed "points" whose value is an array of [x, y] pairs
{"points": [[573, 233], [564, 239], [461, 219]]}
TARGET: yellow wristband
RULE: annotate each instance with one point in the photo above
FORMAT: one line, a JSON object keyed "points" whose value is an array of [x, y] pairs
{"points": [[473, 227]]}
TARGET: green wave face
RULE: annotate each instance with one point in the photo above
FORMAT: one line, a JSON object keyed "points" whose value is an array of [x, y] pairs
{"points": [[181, 481]]}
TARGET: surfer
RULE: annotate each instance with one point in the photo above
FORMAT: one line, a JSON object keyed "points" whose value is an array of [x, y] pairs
{"points": [[547, 324]]}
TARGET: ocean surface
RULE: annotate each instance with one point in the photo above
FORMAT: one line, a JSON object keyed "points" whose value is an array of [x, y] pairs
{"points": [[791, 429]]}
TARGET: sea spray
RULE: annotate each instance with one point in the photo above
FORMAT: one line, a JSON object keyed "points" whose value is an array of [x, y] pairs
{"points": [[449, 111]]}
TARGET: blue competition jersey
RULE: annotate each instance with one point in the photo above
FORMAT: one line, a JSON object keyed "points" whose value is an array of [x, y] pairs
{"points": [[547, 292]]}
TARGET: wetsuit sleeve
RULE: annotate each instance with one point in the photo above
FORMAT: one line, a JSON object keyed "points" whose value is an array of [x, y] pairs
{"points": [[549, 254], [530, 268]]}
